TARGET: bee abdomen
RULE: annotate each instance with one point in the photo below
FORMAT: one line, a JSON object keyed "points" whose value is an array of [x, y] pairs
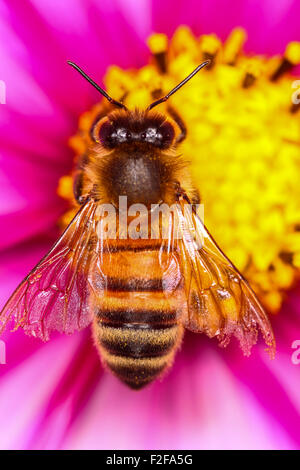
{"points": [[137, 341], [138, 304], [137, 353]]}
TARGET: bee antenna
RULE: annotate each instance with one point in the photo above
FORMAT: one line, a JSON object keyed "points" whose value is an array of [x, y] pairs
{"points": [[166, 97], [98, 88]]}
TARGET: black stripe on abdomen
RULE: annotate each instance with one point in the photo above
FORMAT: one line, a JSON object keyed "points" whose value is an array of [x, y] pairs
{"points": [[155, 318], [137, 355]]}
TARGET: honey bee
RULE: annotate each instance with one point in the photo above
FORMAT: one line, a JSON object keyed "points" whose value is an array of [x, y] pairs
{"points": [[139, 293]]}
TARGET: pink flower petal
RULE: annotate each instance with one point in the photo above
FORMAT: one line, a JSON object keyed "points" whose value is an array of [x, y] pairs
{"points": [[38, 382], [28, 200], [274, 383], [95, 35], [200, 404], [270, 25], [27, 389]]}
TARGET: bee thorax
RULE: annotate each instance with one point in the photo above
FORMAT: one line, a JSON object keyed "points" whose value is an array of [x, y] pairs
{"points": [[138, 178]]}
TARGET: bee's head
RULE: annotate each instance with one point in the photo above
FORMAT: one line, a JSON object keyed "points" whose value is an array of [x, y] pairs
{"points": [[132, 126], [124, 128], [134, 163], [139, 164]]}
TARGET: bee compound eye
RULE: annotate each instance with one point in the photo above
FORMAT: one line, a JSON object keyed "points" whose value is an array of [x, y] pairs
{"points": [[106, 134], [167, 134]]}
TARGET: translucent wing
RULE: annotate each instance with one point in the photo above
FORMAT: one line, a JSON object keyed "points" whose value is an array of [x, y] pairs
{"points": [[220, 301], [54, 295]]}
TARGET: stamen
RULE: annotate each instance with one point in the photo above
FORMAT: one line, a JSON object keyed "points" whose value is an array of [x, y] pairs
{"points": [[291, 59], [233, 45], [158, 45], [295, 106], [210, 45], [253, 71]]}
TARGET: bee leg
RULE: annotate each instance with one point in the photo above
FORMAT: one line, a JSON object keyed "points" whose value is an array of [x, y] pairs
{"points": [[77, 187], [181, 195], [80, 196], [180, 123], [180, 192], [81, 189]]}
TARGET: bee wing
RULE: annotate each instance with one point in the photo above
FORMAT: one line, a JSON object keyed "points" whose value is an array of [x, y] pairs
{"points": [[220, 301], [54, 295]]}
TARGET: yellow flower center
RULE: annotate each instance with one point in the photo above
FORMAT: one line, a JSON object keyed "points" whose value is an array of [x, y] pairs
{"points": [[243, 143]]}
